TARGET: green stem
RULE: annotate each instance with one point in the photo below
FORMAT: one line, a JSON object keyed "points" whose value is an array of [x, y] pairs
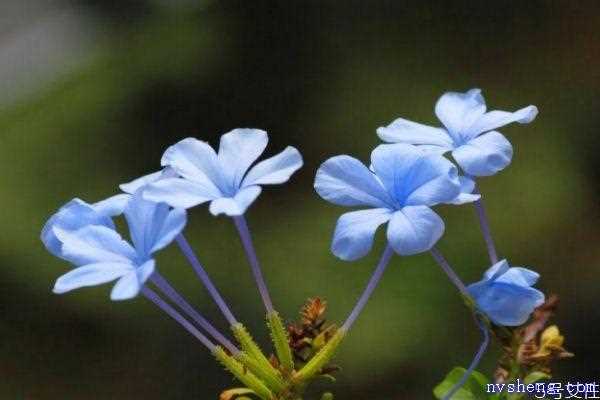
{"points": [[243, 375], [281, 341]]}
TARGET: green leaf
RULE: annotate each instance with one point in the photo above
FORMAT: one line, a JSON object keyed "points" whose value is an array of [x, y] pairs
{"points": [[327, 396], [536, 376], [473, 389]]}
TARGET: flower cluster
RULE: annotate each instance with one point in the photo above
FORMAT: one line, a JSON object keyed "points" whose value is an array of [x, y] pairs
{"points": [[405, 178]]}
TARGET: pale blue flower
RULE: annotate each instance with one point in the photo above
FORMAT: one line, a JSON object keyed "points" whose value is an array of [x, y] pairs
{"points": [[469, 132], [506, 294], [75, 215], [400, 187], [100, 253], [225, 179]]}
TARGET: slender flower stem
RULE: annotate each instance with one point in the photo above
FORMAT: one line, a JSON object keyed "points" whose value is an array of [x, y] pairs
{"points": [[155, 298], [485, 228], [375, 278], [476, 359], [176, 298], [242, 227], [204, 278], [439, 258]]}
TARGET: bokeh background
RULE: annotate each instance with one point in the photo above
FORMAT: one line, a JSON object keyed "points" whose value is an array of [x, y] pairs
{"points": [[92, 92]]}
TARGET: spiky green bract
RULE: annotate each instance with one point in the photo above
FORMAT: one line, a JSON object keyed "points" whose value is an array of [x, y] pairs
{"points": [[316, 364], [281, 341], [269, 376], [241, 373], [250, 347]]}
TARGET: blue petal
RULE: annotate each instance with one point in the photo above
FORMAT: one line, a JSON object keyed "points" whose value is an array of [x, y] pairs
{"points": [[414, 229], [94, 244], [496, 119], [276, 169], [71, 217], [136, 184], [91, 275], [345, 181], [130, 285], [467, 186], [506, 304], [458, 111], [172, 226], [152, 225], [415, 178], [405, 131], [238, 150], [180, 193], [112, 206], [355, 231], [197, 161], [485, 155], [496, 270], [519, 276], [237, 205]]}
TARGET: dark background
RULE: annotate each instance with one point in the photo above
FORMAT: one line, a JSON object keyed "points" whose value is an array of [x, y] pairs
{"points": [[92, 92]]}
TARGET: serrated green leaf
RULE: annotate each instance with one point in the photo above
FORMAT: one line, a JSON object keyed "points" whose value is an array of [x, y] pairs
{"points": [[473, 389]]}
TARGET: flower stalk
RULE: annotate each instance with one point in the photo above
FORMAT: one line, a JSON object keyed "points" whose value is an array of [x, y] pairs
{"points": [[485, 228], [160, 282], [246, 238], [204, 278], [373, 282], [155, 298]]}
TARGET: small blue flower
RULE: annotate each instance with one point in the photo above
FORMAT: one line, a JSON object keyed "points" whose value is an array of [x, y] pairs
{"points": [[401, 185], [505, 294], [72, 216], [88, 239], [469, 132], [225, 179]]}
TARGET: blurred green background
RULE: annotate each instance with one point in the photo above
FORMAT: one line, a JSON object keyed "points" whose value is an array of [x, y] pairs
{"points": [[92, 92]]}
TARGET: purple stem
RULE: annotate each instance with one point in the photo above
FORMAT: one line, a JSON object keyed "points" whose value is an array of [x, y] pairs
{"points": [[176, 298], [439, 258], [204, 278], [242, 227], [155, 298], [476, 359], [375, 278], [485, 228]]}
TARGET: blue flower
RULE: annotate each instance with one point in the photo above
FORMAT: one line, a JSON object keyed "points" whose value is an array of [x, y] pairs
{"points": [[75, 215], [88, 239], [469, 132], [400, 187], [225, 179], [505, 294]]}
